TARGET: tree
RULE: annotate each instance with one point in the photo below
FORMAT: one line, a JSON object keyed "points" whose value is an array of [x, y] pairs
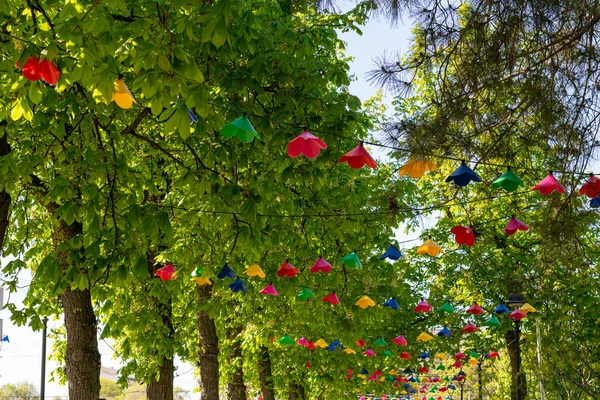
{"points": [[105, 187], [21, 390], [109, 389]]}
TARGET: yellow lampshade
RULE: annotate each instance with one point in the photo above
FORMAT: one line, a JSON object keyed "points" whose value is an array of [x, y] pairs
{"points": [[429, 247], [365, 302], [527, 308], [201, 281], [424, 337], [122, 96], [416, 167]]}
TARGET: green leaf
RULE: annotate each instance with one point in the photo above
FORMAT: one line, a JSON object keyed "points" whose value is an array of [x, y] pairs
{"points": [[35, 93], [249, 210], [163, 62], [220, 34]]}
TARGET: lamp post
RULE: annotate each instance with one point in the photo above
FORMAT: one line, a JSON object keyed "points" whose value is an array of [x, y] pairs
{"points": [[516, 300], [43, 380], [460, 377], [480, 388]]}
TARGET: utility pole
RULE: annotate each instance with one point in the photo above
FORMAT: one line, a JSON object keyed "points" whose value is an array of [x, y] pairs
{"points": [[43, 380]]}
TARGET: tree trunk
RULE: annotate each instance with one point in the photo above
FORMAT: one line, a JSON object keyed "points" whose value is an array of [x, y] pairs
{"points": [[518, 390], [292, 393], [296, 392], [161, 385], [209, 350], [4, 196], [236, 390], [264, 374], [82, 362]]}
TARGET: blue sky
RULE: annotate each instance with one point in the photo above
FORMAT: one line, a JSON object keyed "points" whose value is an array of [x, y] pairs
{"points": [[20, 359]]}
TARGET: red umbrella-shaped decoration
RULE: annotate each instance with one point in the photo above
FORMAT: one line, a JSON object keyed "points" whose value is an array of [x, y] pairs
{"points": [[166, 273], [549, 184], [34, 70], [457, 364], [306, 144], [492, 354], [423, 307], [321, 266], [49, 72], [369, 353], [287, 269], [331, 298], [515, 225], [463, 235], [459, 356], [360, 343], [311, 345], [405, 355], [423, 370], [591, 188], [469, 328], [269, 289], [31, 69], [358, 157], [302, 342], [400, 340], [475, 309], [517, 315]]}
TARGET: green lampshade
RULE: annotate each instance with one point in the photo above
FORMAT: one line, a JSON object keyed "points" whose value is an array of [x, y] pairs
{"points": [[447, 307], [351, 260], [285, 340], [386, 353], [440, 367], [509, 181], [492, 321], [474, 354], [197, 273], [241, 128], [305, 294], [380, 342]]}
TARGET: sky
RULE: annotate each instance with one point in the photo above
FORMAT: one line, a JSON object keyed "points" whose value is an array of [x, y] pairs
{"points": [[20, 360]]}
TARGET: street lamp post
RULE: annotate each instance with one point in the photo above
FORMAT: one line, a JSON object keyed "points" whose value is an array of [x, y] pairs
{"points": [[516, 300], [43, 380], [480, 381]]}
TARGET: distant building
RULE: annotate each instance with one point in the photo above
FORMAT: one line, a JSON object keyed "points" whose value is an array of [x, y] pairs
{"points": [[113, 375]]}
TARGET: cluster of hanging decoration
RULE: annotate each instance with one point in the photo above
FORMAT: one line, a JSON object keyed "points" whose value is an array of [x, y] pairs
{"points": [[426, 377], [423, 307], [309, 145], [287, 270]]}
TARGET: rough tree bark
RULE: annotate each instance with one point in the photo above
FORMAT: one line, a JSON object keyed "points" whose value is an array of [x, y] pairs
{"points": [[264, 374], [209, 349], [296, 392], [511, 345], [160, 386], [82, 362], [4, 196], [236, 390]]}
